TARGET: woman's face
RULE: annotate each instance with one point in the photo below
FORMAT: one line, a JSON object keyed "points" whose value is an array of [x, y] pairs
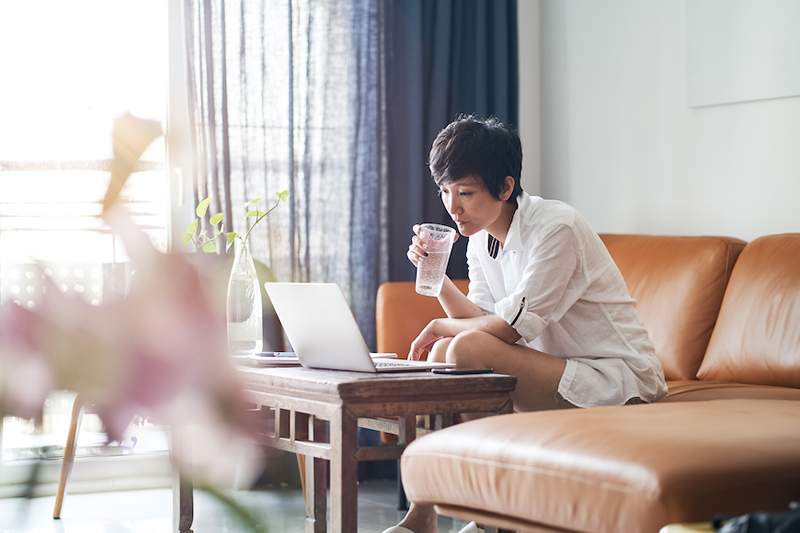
{"points": [[470, 204]]}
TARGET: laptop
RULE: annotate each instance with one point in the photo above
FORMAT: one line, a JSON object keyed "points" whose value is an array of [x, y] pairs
{"points": [[323, 332]]}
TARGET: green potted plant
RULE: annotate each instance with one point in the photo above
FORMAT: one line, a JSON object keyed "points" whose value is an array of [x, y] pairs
{"points": [[244, 308]]}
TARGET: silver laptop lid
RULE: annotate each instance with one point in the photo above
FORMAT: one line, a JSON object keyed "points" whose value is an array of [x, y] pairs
{"points": [[320, 326]]}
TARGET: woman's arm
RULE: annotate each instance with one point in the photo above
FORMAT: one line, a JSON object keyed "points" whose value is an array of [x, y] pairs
{"points": [[479, 303], [455, 304], [538, 299], [450, 327]]}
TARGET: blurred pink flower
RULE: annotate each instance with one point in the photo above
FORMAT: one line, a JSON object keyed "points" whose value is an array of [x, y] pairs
{"points": [[159, 352]]}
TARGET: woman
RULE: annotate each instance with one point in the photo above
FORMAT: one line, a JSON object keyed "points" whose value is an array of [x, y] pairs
{"points": [[546, 302]]}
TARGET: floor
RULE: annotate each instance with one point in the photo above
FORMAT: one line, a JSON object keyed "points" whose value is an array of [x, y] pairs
{"points": [[150, 511]]}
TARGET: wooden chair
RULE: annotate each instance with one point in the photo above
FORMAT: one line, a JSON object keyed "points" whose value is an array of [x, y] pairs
{"points": [[69, 454]]}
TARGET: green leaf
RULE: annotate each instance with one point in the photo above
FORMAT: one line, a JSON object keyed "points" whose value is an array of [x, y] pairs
{"points": [[217, 218], [254, 201], [231, 236], [255, 213], [209, 247], [187, 237], [191, 229], [283, 195], [202, 207]]}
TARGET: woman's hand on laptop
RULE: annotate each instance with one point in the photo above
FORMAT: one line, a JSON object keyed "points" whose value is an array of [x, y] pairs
{"points": [[421, 346], [441, 328]]}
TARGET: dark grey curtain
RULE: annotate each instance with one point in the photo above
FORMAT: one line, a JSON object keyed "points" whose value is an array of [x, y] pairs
{"points": [[445, 57], [289, 94]]}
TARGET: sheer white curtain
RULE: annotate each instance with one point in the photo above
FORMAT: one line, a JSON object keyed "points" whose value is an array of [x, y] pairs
{"points": [[289, 94]]}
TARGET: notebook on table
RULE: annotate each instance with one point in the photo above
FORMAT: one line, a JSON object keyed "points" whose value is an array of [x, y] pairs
{"points": [[267, 359]]}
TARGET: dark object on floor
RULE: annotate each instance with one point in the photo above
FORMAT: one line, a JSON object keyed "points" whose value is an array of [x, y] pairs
{"points": [[786, 522]]}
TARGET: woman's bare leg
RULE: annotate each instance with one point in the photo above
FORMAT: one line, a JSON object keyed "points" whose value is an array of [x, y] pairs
{"points": [[420, 519], [537, 373], [438, 353]]}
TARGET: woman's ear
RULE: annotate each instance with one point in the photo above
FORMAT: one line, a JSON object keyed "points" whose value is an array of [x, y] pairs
{"points": [[508, 188]]}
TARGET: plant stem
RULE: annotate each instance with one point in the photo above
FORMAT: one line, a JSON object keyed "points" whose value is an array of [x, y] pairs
{"points": [[242, 513], [270, 210]]}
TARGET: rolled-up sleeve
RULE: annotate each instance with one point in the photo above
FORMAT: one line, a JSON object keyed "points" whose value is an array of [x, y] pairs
{"points": [[547, 288], [479, 292]]}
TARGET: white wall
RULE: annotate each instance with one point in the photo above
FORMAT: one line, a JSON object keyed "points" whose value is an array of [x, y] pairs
{"points": [[619, 142], [529, 101]]}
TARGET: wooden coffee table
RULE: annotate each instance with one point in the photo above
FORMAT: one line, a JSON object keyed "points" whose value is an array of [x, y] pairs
{"points": [[317, 414]]}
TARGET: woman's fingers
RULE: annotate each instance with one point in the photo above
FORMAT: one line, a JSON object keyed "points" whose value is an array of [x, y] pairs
{"points": [[413, 350], [420, 349], [421, 345], [416, 250], [416, 352]]}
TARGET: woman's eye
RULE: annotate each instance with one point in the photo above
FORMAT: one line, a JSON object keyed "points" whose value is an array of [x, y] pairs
{"points": [[465, 194], [442, 192]]}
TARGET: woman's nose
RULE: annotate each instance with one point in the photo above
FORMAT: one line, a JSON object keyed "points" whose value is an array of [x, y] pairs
{"points": [[452, 205]]}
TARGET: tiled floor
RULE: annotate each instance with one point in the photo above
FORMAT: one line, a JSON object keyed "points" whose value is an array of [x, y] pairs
{"points": [[150, 511]]}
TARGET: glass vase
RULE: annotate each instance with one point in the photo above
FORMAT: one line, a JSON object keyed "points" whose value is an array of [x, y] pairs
{"points": [[244, 310]]}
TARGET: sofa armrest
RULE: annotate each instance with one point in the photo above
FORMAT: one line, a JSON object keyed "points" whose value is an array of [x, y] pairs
{"points": [[401, 313]]}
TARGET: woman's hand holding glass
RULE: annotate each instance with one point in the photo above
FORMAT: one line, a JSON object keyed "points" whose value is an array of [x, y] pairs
{"points": [[416, 250]]}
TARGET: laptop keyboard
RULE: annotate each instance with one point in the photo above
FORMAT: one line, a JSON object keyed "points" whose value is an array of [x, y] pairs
{"points": [[390, 364]]}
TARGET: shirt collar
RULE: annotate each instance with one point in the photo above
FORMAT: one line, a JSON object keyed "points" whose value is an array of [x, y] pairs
{"points": [[513, 237]]}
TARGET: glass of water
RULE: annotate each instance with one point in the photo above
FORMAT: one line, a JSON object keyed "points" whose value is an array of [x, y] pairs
{"points": [[438, 242]]}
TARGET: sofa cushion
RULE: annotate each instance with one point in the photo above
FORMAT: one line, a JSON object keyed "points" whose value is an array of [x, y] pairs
{"points": [[757, 336], [678, 283], [693, 390], [625, 468], [401, 313]]}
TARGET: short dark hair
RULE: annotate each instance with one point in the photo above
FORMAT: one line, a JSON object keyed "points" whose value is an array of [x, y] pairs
{"points": [[472, 146]]}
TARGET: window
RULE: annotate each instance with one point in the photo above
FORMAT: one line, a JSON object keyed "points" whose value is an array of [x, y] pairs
{"points": [[68, 69]]}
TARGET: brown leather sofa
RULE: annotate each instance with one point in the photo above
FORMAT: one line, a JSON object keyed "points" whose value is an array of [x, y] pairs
{"points": [[724, 318]]}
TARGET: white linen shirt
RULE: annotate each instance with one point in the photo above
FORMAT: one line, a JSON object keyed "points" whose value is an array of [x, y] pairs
{"points": [[555, 283]]}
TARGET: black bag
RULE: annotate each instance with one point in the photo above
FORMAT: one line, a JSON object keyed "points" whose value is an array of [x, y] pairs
{"points": [[785, 522]]}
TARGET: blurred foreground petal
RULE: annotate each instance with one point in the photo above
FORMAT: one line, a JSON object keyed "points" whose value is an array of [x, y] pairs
{"points": [[160, 352]]}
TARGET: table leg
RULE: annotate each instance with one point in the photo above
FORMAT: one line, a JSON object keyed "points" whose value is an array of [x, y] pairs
{"points": [[407, 433], [344, 473], [402, 501], [183, 504], [316, 497]]}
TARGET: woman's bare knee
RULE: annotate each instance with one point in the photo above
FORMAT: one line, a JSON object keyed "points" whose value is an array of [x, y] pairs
{"points": [[538, 373], [438, 352], [464, 350]]}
